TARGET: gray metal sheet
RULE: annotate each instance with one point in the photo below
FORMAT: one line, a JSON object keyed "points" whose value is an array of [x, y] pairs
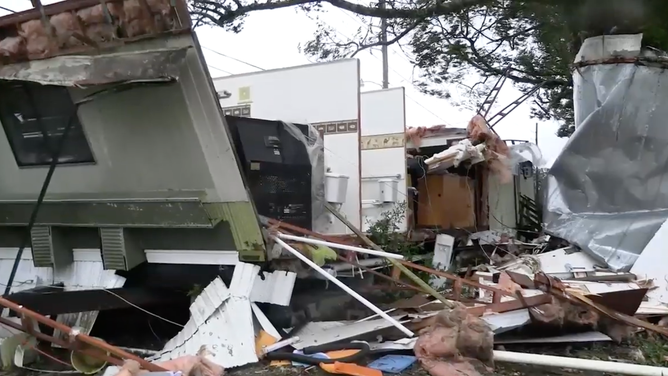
{"points": [[608, 189], [142, 66]]}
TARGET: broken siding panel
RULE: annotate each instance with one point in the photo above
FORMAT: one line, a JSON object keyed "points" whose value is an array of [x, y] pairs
{"points": [[27, 275], [228, 332], [275, 288], [243, 279], [206, 303], [85, 273]]}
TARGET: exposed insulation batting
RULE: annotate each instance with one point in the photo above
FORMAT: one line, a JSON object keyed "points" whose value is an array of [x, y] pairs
{"points": [[13, 46], [91, 25], [100, 25], [66, 25], [38, 42]]}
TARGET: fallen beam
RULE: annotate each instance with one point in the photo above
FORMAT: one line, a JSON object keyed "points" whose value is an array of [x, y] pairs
{"points": [[59, 302]]}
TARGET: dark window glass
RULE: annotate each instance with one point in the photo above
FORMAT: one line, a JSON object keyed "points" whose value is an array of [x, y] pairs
{"points": [[22, 104]]}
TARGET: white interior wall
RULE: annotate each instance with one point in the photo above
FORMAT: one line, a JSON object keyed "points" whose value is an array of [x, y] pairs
{"points": [[501, 205], [383, 128], [325, 95]]}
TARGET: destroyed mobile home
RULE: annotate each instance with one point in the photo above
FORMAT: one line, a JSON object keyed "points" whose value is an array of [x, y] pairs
{"points": [[211, 214]]}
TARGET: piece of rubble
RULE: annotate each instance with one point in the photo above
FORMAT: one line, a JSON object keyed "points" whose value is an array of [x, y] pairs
{"points": [[446, 347]]}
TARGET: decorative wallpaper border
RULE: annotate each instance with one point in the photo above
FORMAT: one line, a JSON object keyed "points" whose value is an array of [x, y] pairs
{"points": [[337, 127], [383, 141], [241, 111]]}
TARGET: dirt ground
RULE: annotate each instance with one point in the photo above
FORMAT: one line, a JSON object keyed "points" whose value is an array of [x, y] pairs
{"points": [[643, 349]]}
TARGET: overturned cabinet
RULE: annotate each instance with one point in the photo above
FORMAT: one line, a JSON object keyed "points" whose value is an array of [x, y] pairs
{"points": [[145, 165]]}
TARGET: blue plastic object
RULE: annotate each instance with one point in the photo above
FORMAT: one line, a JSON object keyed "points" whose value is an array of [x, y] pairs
{"points": [[393, 363]]}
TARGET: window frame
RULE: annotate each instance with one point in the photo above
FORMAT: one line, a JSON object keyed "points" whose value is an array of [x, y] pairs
{"points": [[14, 133]]}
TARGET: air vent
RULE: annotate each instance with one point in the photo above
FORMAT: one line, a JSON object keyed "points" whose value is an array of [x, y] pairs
{"points": [[49, 248], [119, 251], [40, 237]]}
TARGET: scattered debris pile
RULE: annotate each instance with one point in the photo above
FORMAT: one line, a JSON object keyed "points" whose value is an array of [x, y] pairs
{"points": [[551, 296]]}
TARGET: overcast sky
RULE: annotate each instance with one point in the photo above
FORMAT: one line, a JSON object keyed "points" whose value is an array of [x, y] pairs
{"points": [[270, 39]]}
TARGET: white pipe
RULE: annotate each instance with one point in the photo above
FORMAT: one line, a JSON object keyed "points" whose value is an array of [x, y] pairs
{"points": [[343, 286], [577, 363], [340, 246]]}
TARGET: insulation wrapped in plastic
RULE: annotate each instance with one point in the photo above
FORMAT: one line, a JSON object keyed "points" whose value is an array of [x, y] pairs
{"points": [[100, 25], [38, 42], [608, 189], [316, 151]]}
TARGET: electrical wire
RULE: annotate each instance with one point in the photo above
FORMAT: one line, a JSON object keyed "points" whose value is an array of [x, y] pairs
{"points": [[232, 58], [218, 69], [7, 9]]}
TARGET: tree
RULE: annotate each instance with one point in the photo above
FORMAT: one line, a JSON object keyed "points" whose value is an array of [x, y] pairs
{"points": [[532, 42]]}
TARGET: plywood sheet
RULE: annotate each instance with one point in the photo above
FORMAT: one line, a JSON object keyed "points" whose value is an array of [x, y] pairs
{"points": [[446, 201]]}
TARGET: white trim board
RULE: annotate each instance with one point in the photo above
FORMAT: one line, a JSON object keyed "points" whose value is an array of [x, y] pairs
{"points": [[191, 257]]}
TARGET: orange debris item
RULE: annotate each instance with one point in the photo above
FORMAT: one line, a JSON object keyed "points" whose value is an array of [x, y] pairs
{"points": [[350, 369]]}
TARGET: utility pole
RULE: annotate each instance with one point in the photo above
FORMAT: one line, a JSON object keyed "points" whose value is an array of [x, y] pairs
{"points": [[536, 133], [383, 40]]}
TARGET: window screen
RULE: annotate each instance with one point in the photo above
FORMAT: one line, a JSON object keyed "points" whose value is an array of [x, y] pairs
{"points": [[28, 111]]}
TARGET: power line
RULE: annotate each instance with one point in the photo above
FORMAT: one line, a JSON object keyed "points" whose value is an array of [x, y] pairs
{"points": [[218, 69], [7, 9], [232, 58]]}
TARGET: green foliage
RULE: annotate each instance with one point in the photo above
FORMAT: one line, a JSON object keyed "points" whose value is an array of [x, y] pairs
{"points": [[385, 232], [532, 42]]}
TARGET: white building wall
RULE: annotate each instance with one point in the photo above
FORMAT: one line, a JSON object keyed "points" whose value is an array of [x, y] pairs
{"points": [[325, 95], [383, 153]]}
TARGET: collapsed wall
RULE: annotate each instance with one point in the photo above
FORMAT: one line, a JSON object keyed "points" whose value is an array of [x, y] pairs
{"points": [[608, 189]]}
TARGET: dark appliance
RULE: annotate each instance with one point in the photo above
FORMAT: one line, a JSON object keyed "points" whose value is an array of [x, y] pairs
{"points": [[277, 168]]}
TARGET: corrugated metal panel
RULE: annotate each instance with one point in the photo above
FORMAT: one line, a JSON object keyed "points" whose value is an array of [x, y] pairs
{"points": [[276, 288], [228, 332], [27, 276], [85, 273]]}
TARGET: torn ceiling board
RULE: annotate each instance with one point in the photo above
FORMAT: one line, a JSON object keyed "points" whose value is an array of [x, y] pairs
{"points": [[319, 333], [142, 66], [275, 288]]}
